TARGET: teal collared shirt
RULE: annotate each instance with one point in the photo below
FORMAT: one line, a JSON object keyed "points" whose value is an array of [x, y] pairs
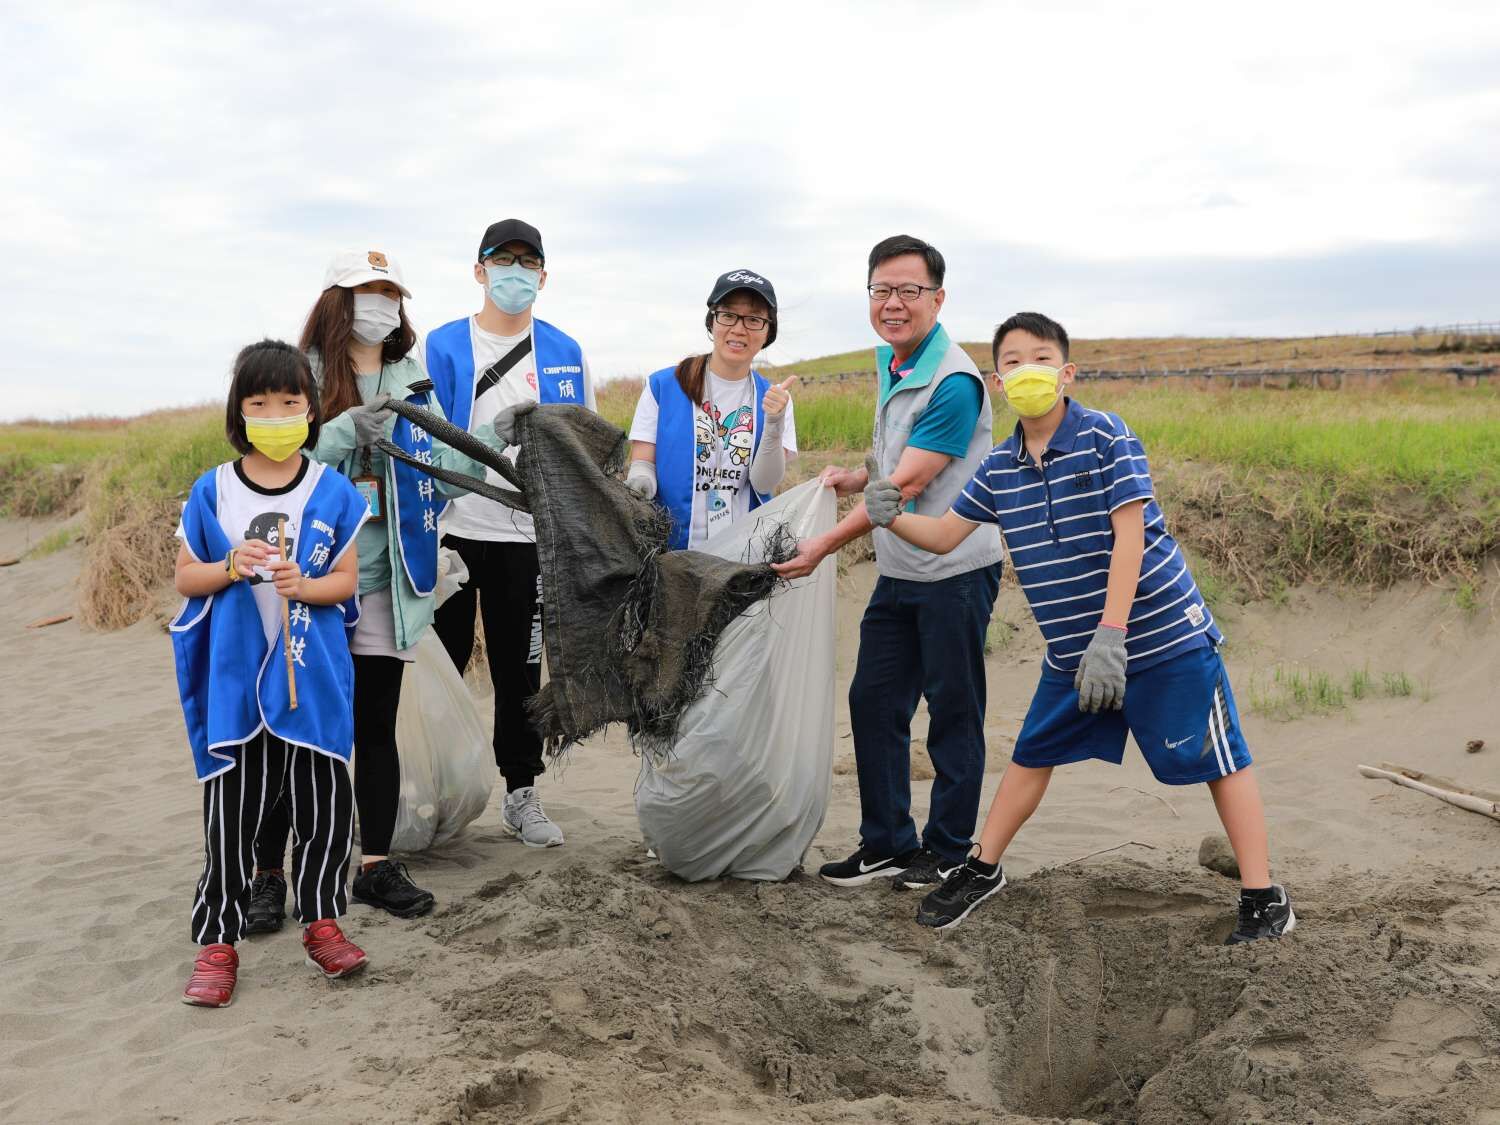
{"points": [[947, 424]]}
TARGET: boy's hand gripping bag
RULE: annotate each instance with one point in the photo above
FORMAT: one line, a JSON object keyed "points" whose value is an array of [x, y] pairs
{"points": [[447, 764], [745, 787]]}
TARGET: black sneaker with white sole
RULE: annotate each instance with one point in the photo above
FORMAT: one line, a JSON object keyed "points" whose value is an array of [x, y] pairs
{"points": [[1263, 914], [969, 885], [927, 868], [864, 866]]}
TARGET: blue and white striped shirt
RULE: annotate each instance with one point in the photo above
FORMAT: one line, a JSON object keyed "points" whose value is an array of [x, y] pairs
{"points": [[1055, 520]]}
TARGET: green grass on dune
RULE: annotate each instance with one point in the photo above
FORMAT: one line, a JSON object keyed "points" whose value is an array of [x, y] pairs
{"points": [[42, 467], [1436, 439], [1264, 487], [46, 468]]}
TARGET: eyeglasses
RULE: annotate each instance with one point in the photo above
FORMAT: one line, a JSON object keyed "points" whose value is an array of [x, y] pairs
{"points": [[730, 319], [907, 293], [506, 258]]}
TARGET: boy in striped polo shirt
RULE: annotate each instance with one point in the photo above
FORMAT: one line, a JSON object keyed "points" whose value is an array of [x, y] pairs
{"points": [[1131, 647]]}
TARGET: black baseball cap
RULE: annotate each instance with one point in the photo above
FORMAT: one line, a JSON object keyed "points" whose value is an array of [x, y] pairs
{"points": [[498, 234], [742, 279]]}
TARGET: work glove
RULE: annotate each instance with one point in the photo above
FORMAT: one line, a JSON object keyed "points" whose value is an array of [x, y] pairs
{"points": [[642, 479], [1100, 679], [505, 422], [372, 421], [883, 500]]}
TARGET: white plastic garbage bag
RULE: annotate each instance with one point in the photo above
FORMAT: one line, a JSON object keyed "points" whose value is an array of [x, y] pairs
{"points": [[746, 786], [447, 764]]}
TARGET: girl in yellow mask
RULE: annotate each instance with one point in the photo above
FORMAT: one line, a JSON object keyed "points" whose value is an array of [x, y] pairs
{"points": [[268, 569]]}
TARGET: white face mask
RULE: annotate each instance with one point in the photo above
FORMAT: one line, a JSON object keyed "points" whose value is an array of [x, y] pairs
{"points": [[376, 316]]}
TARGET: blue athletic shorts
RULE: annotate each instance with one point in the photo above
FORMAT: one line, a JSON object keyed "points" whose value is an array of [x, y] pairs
{"points": [[1180, 711]]}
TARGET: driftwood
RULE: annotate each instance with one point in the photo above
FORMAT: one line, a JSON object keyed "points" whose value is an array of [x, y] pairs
{"points": [[1484, 802]]}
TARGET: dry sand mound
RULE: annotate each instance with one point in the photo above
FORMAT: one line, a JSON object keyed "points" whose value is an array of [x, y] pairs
{"points": [[1098, 993]]}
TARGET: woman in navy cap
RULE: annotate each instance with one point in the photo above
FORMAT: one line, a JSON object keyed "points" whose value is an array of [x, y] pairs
{"points": [[711, 436]]}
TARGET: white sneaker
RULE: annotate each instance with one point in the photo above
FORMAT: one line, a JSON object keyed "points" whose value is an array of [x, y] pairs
{"points": [[521, 815]]}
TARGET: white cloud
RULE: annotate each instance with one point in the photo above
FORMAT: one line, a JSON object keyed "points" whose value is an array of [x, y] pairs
{"points": [[176, 176]]}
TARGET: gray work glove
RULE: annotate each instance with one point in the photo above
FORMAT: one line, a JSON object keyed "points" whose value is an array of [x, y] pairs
{"points": [[505, 421], [372, 421], [642, 479], [883, 500], [1100, 680]]}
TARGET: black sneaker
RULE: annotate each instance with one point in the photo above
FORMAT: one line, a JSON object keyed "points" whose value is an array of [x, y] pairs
{"points": [[865, 866], [1263, 914], [267, 904], [387, 885], [926, 868], [960, 893]]}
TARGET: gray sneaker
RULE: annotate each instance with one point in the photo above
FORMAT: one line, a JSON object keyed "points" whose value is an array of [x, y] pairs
{"points": [[521, 815]]}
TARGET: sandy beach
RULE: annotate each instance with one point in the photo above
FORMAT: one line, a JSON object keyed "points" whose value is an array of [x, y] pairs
{"points": [[585, 984]]}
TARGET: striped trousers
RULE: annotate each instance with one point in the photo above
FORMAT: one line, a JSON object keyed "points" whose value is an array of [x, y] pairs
{"points": [[317, 791]]}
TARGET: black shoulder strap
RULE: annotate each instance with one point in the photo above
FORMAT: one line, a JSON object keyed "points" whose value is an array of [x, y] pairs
{"points": [[502, 366]]}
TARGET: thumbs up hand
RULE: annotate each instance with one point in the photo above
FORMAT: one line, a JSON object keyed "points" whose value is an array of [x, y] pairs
{"points": [[778, 396], [883, 500]]}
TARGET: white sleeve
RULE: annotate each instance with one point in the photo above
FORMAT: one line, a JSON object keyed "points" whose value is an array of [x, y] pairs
{"points": [[588, 385], [643, 426], [789, 430]]}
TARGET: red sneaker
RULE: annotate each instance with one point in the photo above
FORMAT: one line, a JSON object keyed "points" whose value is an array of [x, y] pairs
{"points": [[329, 951], [212, 982]]}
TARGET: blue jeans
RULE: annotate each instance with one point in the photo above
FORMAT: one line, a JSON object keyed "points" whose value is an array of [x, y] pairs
{"points": [[922, 639]]}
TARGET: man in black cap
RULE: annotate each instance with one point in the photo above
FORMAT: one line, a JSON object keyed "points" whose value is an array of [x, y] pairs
{"points": [[500, 357]]}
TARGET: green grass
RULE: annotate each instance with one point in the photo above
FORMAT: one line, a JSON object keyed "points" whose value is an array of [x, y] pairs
{"points": [[1397, 684], [42, 467], [1264, 488], [58, 540], [1290, 691], [1438, 439], [1466, 596], [1359, 683], [154, 461], [1000, 635]]}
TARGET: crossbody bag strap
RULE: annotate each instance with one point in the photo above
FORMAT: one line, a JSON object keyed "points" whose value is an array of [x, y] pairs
{"points": [[501, 367]]}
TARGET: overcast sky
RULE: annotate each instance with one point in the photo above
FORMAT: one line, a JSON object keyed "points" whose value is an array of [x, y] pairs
{"points": [[175, 176]]}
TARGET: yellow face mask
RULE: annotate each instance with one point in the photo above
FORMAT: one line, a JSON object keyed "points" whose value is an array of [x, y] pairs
{"points": [[277, 438], [1031, 389]]}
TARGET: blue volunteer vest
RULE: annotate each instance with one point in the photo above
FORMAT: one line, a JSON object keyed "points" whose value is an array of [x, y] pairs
{"points": [[676, 449], [231, 682], [414, 501], [450, 364]]}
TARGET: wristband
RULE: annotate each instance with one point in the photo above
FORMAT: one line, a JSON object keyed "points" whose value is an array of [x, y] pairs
{"points": [[234, 573], [1107, 625]]}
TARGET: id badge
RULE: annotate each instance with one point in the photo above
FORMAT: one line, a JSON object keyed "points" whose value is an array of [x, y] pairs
{"points": [[720, 513], [372, 488]]}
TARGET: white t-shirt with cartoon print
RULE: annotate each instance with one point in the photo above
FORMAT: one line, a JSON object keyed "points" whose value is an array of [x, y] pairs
{"points": [[724, 441], [247, 511]]}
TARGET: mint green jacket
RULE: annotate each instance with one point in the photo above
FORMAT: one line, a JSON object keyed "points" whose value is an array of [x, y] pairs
{"points": [[413, 612]]}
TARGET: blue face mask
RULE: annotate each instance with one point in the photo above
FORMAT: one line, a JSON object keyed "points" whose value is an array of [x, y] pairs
{"points": [[513, 288]]}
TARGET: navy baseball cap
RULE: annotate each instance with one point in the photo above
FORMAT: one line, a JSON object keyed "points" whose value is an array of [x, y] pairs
{"points": [[498, 234], [743, 279]]}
